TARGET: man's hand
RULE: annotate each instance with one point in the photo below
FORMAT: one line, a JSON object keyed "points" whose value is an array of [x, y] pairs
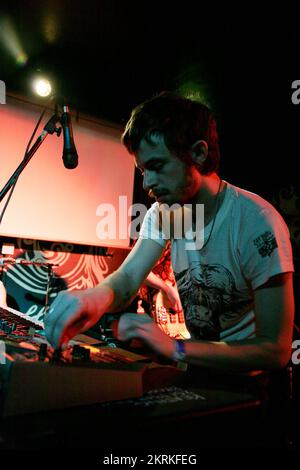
{"points": [[140, 326], [75, 311]]}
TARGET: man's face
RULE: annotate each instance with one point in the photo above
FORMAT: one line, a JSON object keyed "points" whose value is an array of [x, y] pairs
{"points": [[167, 177]]}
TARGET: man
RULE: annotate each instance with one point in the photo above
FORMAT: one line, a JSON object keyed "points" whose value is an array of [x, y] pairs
{"points": [[236, 289]]}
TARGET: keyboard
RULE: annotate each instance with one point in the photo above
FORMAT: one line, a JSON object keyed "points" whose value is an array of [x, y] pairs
{"points": [[15, 317]]}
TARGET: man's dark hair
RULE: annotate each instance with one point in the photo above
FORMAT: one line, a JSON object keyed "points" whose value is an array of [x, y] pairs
{"points": [[181, 121]]}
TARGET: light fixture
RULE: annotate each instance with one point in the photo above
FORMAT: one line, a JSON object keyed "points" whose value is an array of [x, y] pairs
{"points": [[42, 87]]}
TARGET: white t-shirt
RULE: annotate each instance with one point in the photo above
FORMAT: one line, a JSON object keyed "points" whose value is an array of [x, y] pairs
{"points": [[249, 244]]}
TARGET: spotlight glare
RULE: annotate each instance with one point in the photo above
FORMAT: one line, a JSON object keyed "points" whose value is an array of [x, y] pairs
{"points": [[42, 87], [21, 59], [11, 41]]}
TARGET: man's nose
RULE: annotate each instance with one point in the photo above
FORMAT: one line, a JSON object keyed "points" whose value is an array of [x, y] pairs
{"points": [[149, 180]]}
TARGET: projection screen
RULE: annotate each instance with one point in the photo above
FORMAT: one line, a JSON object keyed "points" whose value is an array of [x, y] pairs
{"points": [[53, 203]]}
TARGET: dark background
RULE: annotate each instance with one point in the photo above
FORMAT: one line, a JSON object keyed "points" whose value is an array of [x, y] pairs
{"points": [[107, 56]]}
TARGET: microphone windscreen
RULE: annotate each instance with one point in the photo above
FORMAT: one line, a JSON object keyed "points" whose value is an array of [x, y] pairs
{"points": [[70, 159]]}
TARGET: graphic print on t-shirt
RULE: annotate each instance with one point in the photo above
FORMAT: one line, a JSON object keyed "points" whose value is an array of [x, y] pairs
{"points": [[266, 244], [210, 300]]}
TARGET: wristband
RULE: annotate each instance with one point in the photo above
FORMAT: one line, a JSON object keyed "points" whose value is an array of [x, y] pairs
{"points": [[179, 353]]}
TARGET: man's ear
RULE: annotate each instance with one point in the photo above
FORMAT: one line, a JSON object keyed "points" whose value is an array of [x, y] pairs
{"points": [[199, 152]]}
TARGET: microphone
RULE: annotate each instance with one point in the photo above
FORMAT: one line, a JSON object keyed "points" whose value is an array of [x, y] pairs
{"points": [[70, 156]]}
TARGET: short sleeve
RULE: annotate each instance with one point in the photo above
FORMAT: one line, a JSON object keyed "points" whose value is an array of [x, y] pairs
{"points": [[150, 226], [264, 246]]}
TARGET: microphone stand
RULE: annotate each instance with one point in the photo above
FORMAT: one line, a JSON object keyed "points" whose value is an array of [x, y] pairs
{"points": [[47, 296], [49, 128]]}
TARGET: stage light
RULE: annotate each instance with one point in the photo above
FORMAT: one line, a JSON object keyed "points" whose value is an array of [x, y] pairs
{"points": [[51, 26], [42, 87], [11, 41], [196, 90]]}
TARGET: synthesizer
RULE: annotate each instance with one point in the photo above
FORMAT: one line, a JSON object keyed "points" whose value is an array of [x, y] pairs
{"points": [[15, 318], [35, 377]]}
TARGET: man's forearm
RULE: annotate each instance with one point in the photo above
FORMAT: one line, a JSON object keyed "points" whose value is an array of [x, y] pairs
{"points": [[123, 290], [237, 355], [259, 353]]}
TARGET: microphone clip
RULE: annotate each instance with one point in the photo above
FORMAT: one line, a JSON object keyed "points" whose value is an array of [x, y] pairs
{"points": [[51, 128]]}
